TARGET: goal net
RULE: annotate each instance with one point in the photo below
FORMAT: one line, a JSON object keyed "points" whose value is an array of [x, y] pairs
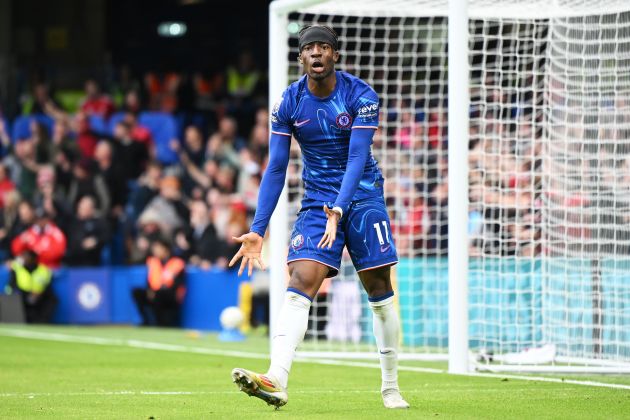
{"points": [[549, 177]]}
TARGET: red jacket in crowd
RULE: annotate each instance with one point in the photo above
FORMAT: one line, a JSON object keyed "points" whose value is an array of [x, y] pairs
{"points": [[48, 242]]}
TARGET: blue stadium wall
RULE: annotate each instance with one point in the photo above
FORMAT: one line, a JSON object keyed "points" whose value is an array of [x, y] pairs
{"points": [[103, 295]]}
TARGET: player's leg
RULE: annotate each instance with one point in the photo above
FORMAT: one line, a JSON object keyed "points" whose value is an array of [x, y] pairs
{"points": [[308, 267], [305, 279], [386, 326], [373, 252]]}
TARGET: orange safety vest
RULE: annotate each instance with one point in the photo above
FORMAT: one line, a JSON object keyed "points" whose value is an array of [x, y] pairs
{"points": [[164, 276]]}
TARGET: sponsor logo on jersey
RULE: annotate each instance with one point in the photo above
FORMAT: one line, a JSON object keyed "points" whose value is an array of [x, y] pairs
{"points": [[297, 242], [368, 111], [343, 120]]}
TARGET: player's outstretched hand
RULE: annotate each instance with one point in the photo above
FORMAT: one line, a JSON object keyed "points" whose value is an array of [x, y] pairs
{"points": [[331, 228], [250, 251]]}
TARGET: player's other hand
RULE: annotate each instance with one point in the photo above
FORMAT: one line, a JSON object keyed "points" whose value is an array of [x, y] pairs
{"points": [[250, 251], [331, 228]]}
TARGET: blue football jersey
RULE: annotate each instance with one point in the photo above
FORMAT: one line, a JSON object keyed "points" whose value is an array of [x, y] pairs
{"points": [[322, 127]]}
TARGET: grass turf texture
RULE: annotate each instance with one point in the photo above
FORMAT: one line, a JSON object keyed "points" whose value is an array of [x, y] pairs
{"points": [[42, 378]]}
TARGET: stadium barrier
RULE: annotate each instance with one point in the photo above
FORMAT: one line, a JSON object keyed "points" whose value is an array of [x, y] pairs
{"points": [[103, 295]]}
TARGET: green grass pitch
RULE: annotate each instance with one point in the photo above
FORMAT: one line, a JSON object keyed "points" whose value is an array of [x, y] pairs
{"points": [[124, 372]]}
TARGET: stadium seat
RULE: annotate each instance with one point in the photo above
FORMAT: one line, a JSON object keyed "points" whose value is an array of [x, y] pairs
{"points": [[113, 120], [99, 125], [21, 125], [163, 129]]}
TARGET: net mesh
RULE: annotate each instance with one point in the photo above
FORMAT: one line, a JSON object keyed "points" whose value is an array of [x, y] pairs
{"points": [[549, 174]]}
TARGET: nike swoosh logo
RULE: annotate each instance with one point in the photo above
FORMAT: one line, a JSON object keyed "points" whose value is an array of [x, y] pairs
{"points": [[385, 352], [300, 123], [385, 248]]}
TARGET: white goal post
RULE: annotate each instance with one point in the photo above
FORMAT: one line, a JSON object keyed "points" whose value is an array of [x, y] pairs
{"points": [[505, 145]]}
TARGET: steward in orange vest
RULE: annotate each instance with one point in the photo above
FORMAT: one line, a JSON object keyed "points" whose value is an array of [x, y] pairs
{"points": [[160, 302]]}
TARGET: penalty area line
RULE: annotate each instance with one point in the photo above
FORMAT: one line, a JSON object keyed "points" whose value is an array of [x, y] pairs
{"points": [[150, 345]]}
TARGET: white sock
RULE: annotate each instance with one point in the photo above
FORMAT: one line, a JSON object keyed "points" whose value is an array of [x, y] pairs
{"points": [[290, 330], [386, 331]]}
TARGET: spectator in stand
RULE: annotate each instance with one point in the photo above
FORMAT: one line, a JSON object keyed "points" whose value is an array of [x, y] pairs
{"points": [[8, 219], [192, 157], [243, 78], [132, 102], [409, 134], [87, 182], [163, 92], [62, 140], [87, 235], [259, 137], [23, 168], [248, 179], [6, 185], [150, 227], [243, 83], [95, 102], [64, 162], [200, 243], [169, 205], [140, 133], [223, 146], [41, 102], [203, 179], [208, 91], [51, 198], [86, 139], [5, 139], [148, 188], [43, 237], [159, 303], [44, 148], [238, 225], [32, 280], [133, 155], [193, 145], [112, 173], [24, 220]]}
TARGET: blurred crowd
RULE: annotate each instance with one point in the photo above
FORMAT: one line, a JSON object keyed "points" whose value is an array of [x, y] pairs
{"points": [[78, 195], [505, 158]]}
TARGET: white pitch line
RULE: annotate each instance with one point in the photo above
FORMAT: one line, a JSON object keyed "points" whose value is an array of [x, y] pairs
{"points": [[176, 393], [149, 345]]}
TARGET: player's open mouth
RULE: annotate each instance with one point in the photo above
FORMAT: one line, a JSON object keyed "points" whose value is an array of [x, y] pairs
{"points": [[318, 67]]}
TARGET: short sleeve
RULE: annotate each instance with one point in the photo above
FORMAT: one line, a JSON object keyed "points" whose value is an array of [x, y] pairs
{"points": [[280, 120], [365, 108]]}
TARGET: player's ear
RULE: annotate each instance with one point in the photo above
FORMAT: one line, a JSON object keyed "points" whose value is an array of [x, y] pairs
{"points": [[336, 56], [299, 58]]}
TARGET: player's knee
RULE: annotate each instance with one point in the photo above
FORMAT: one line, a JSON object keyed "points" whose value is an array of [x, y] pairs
{"points": [[301, 281], [376, 282]]}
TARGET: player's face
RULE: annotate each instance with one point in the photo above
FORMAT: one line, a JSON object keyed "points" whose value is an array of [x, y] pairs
{"points": [[318, 60]]}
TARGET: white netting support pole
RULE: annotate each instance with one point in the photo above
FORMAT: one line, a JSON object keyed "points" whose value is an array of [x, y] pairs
{"points": [[278, 230], [458, 133]]}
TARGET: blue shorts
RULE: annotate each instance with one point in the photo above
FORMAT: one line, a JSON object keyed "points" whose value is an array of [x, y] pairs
{"points": [[364, 230]]}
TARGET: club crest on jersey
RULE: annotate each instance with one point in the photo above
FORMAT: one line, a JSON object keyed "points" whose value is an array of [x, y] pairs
{"points": [[297, 242], [343, 120]]}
